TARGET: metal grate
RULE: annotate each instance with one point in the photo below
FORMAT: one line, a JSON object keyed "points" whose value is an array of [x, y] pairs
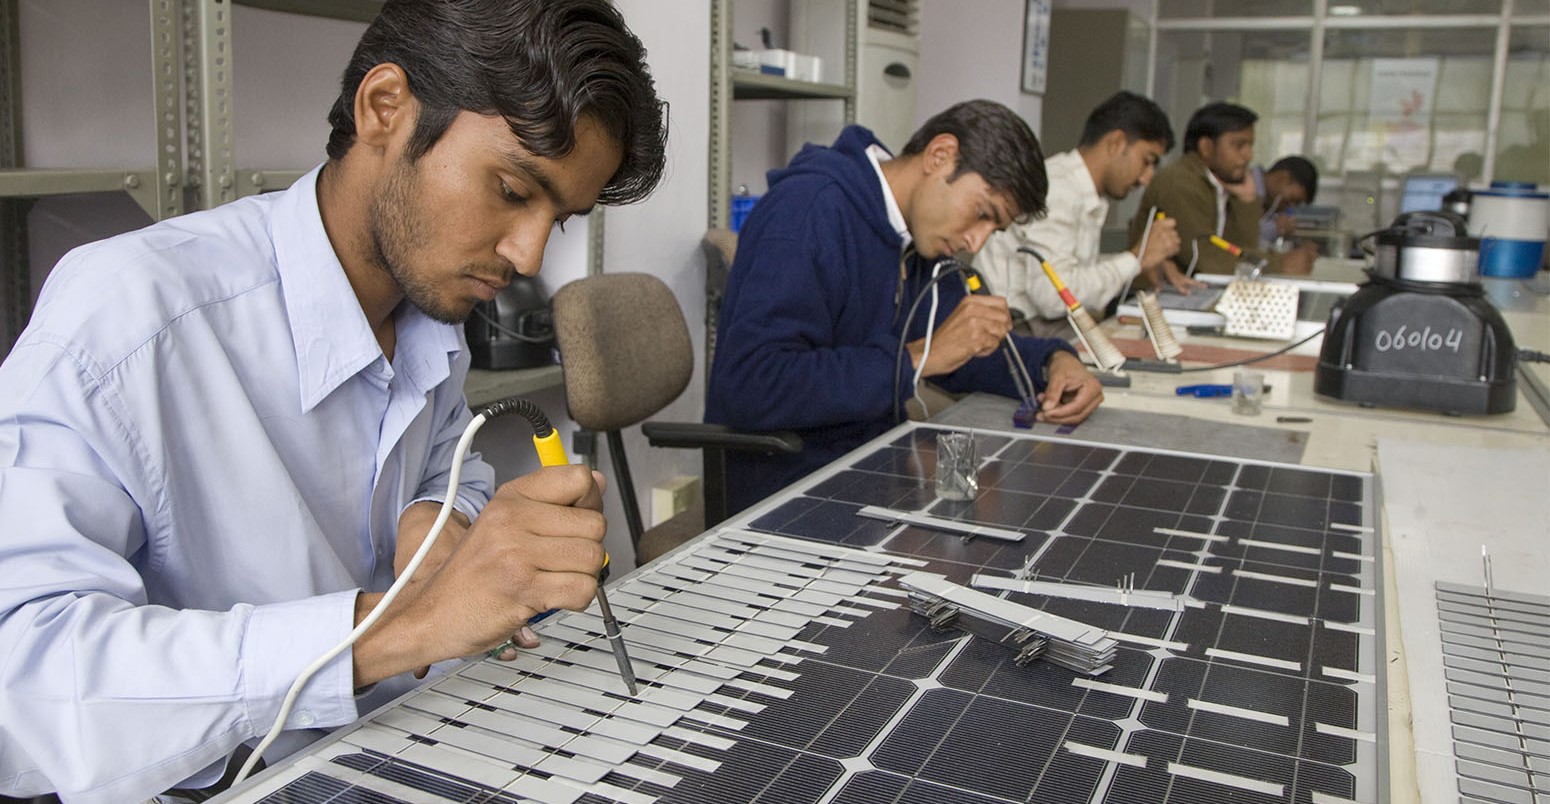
{"points": [[902, 16]]}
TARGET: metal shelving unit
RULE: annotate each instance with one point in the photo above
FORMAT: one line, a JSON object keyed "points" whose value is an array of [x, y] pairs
{"points": [[728, 84], [751, 85]]}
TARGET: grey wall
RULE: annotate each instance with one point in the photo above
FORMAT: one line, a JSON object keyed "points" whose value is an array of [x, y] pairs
{"points": [[972, 49]]}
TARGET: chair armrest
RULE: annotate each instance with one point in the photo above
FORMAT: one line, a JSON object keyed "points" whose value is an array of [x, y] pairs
{"points": [[694, 435]]}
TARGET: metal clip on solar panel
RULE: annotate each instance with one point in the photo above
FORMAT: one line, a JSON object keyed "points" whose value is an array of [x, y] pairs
{"points": [[1030, 651]]}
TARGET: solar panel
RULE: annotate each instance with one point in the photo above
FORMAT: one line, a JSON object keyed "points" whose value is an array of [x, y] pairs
{"points": [[781, 662]]}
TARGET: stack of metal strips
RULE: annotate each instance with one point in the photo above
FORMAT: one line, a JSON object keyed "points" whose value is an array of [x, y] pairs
{"points": [[1034, 634], [711, 632]]}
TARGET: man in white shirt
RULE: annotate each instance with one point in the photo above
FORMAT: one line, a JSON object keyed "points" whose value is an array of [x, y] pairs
{"points": [[223, 436], [1121, 143]]}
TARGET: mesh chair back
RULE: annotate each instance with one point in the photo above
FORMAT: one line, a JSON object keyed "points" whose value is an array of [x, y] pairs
{"points": [[624, 347]]}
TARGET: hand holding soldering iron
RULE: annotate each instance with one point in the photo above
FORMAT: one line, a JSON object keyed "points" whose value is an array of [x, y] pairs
{"points": [[975, 328], [536, 546]]}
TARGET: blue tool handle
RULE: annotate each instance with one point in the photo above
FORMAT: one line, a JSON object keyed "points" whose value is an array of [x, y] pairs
{"points": [[1203, 391]]}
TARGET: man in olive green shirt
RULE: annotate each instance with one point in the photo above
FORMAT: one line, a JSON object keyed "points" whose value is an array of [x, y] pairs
{"points": [[1207, 192]]}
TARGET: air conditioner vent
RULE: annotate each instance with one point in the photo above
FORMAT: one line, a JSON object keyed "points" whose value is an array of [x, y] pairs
{"points": [[901, 16]]}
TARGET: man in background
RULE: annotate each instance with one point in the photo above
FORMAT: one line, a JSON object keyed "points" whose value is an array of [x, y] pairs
{"points": [[1209, 191], [816, 333], [1289, 183], [1121, 143]]}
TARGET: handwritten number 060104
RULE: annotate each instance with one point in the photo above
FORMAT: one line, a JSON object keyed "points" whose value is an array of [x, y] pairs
{"points": [[1424, 339]]}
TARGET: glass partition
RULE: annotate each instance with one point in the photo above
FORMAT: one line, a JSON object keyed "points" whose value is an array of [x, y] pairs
{"points": [[1265, 70], [1523, 135], [1397, 101]]}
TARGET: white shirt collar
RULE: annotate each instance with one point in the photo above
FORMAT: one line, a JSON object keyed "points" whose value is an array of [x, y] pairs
{"points": [[1221, 201], [332, 338], [877, 154]]}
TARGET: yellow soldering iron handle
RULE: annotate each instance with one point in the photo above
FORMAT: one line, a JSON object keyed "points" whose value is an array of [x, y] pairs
{"points": [[550, 451], [1230, 248], [1060, 287]]}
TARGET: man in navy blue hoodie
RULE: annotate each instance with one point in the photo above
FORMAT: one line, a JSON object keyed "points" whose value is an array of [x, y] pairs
{"points": [[828, 266]]}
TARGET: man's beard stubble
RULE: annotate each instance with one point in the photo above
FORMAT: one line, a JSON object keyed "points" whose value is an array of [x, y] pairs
{"points": [[397, 234]]}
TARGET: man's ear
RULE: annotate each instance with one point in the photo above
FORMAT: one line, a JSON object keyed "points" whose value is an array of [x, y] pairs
{"points": [[385, 107], [1206, 147], [1113, 143], [941, 154]]}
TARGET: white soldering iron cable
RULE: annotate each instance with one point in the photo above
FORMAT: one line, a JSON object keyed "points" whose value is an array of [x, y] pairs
{"points": [[925, 352], [377, 610]]}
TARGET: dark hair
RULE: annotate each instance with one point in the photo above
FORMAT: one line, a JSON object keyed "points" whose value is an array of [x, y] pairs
{"points": [[995, 143], [1302, 171], [540, 64], [1215, 119], [1138, 116]]}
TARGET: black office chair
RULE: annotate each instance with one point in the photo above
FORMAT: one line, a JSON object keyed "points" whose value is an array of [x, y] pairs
{"points": [[626, 354]]}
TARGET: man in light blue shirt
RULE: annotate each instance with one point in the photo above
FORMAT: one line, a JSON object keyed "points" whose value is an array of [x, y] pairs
{"points": [[222, 436]]}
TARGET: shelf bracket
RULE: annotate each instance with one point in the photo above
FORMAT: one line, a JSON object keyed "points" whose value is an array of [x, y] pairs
{"points": [[163, 198], [16, 276], [212, 166]]}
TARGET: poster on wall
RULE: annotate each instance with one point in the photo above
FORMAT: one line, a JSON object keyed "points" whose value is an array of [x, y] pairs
{"points": [[1401, 98], [1036, 46]]}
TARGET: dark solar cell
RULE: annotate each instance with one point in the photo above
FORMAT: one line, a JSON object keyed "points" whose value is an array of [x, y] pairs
{"points": [[747, 770], [861, 720], [310, 787]]}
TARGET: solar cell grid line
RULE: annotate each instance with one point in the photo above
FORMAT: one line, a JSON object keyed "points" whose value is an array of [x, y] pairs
{"points": [[663, 659], [741, 603], [794, 558], [753, 594], [859, 566], [793, 597], [601, 659], [813, 573], [560, 714], [685, 594], [801, 589], [535, 732], [498, 745]]}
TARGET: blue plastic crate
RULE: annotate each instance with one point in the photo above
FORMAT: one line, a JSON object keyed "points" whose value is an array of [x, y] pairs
{"points": [[741, 206]]}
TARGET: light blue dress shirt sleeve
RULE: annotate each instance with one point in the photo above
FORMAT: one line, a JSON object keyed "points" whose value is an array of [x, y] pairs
{"points": [[203, 455]]}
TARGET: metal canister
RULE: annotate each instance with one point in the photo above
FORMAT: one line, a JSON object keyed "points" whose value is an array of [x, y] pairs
{"points": [[1430, 246]]}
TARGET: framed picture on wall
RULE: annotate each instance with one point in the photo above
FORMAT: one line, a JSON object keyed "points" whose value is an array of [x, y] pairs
{"points": [[1036, 46]]}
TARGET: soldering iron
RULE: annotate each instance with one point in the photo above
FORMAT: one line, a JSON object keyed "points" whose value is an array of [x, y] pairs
{"points": [[551, 452]]}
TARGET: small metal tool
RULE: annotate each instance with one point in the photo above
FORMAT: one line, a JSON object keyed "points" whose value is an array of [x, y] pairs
{"points": [[615, 639]]}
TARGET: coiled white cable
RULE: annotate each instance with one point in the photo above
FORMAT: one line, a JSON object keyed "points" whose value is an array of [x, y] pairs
{"points": [[925, 351], [1157, 326], [376, 612]]}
